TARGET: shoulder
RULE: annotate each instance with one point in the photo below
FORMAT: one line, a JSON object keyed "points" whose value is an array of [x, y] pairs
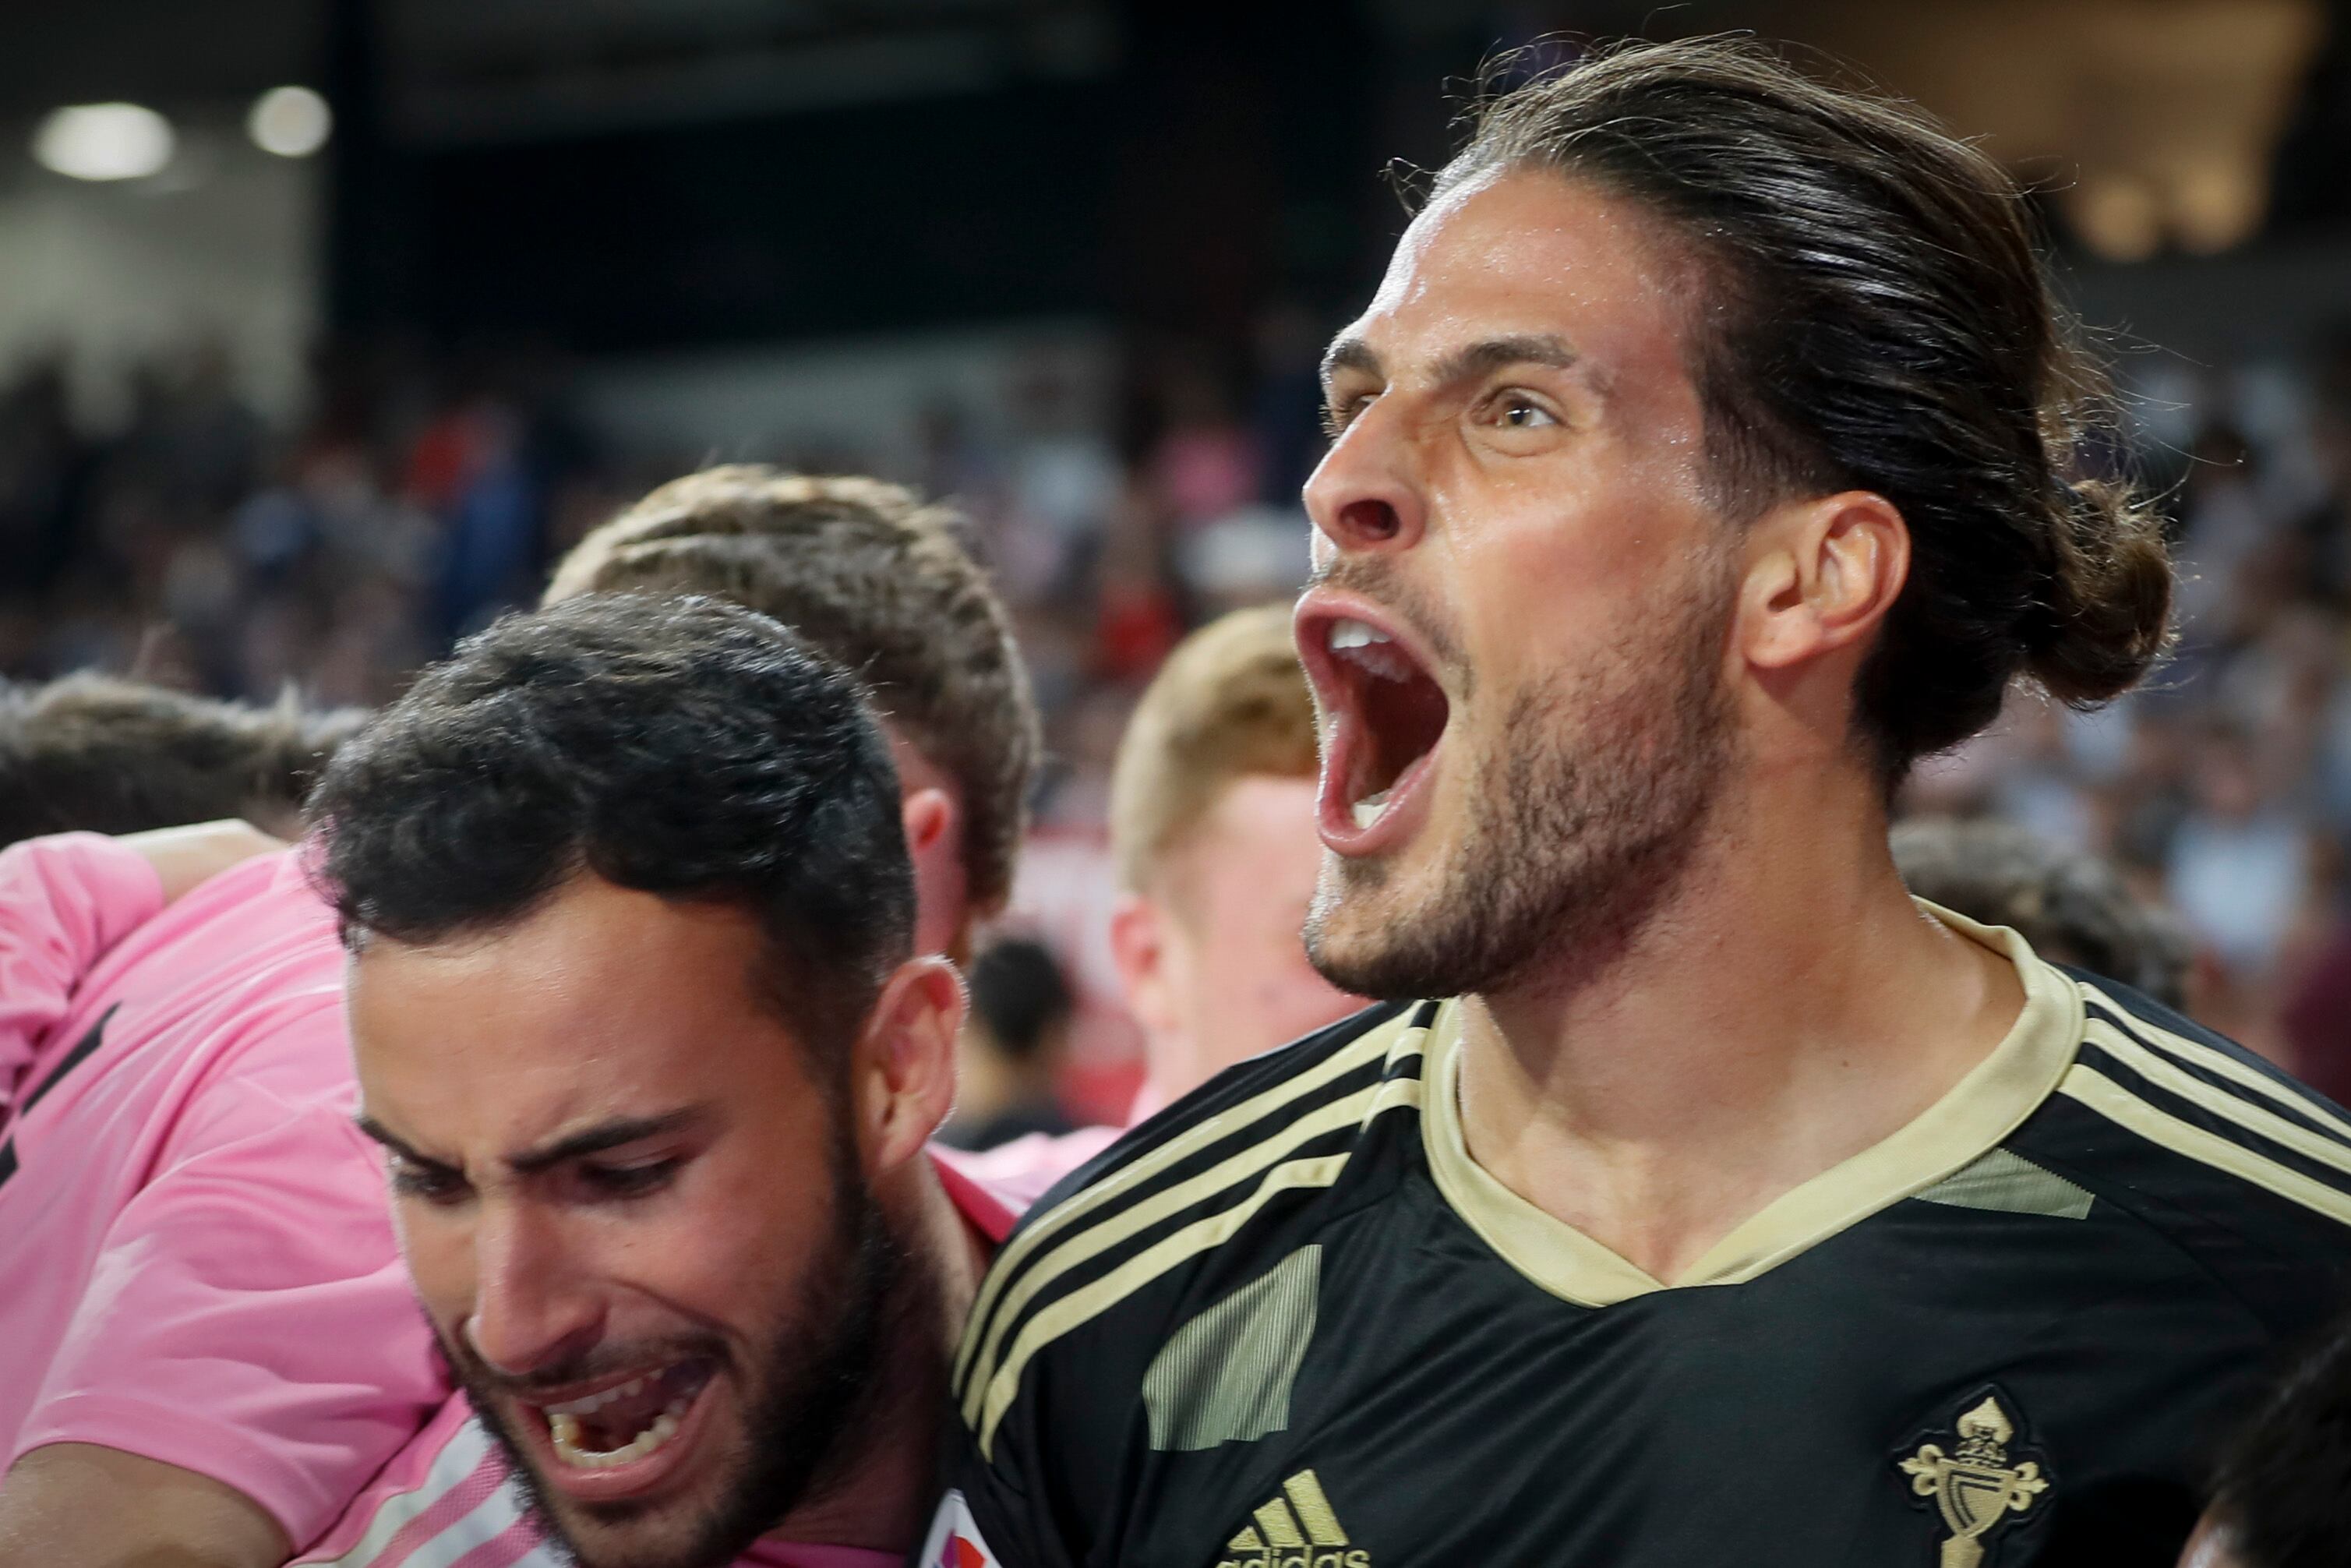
{"points": [[1224, 1180], [2229, 1156]]}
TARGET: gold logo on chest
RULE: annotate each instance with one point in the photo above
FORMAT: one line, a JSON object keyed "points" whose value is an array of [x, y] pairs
{"points": [[1975, 1486]]}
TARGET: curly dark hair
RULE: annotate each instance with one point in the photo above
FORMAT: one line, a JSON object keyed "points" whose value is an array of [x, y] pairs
{"points": [[1874, 315], [2071, 905], [877, 580], [98, 754], [682, 747]]}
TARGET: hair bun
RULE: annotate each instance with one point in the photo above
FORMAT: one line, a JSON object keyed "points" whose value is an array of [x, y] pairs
{"points": [[2107, 616]]}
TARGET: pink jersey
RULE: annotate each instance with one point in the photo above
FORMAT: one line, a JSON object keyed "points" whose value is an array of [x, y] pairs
{"points": [[446, 1500], [199, 1261]]}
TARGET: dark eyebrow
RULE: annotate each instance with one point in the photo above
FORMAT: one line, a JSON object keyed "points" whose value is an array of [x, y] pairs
{"points": [[1477, 359], [604, 1135], [390, 1140], [1349, 354]]}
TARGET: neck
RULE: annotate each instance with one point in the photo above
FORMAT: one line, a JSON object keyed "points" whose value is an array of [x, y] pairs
{"points": [[1783, 1007], [886, 1487]]}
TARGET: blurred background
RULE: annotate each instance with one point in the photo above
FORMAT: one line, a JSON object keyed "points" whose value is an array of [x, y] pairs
{"points": [[326, 324]]}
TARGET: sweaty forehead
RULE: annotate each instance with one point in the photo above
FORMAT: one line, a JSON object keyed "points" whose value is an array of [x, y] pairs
{"points": [[601, 994], [1526, 254]]}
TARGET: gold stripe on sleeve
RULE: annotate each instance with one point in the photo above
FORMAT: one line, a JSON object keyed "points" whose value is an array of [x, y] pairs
{"points": [[1082, 1305], [1122, 1183], [1133, 1221], [2119, 1105], [2315, 1147], [2197, 1053], [1089, 1302]]}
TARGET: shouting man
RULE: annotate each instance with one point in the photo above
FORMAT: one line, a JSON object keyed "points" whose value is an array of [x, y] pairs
{"points": [[1708, 454]]}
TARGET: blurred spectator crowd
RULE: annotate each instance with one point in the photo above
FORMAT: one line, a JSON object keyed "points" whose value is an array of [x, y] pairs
{"points": [[199, 547]]}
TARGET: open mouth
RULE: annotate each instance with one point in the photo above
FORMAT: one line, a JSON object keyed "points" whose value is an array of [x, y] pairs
{"points": [[627, 1421], [1385, 716]]}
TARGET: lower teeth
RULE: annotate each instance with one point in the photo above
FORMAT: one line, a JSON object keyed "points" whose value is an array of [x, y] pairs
{"points": [[1368, 809], [565, 1434]]}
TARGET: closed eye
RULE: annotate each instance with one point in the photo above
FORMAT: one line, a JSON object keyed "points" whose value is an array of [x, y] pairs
{"points": [[628, 1181], [435, 1184]]}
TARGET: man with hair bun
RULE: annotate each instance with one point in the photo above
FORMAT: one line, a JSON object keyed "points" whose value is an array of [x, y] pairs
{"points": [[1708, 454]]}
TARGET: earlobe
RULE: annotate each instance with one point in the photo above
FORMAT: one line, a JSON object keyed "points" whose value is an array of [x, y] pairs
{"points": [[906, 1060]]}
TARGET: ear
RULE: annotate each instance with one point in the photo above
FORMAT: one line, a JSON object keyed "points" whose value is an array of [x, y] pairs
{"points": [[903, 1074], [1821, 576], [1140, 935], [933, 824]]}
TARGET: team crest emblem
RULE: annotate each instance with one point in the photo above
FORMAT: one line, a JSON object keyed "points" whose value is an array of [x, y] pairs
{"points": [[1979, 1483]]}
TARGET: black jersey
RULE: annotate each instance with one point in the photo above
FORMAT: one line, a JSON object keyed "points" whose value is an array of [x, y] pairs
{"points": [[1290, 1324]]}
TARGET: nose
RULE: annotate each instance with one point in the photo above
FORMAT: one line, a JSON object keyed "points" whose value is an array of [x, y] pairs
{"points": [[530, 1310], [1366, 495]]}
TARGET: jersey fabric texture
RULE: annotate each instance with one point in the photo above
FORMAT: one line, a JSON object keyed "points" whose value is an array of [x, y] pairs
{"points": [[1290, 1323], [196, 1263], [447, 1500]]}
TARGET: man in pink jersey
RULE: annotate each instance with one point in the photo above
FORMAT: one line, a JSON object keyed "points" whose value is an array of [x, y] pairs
{"points": [[178, 1380], [810, 552], [875, 580], [638, 1016]]}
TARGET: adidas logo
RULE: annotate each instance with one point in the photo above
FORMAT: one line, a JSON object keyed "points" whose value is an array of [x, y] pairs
{"points": [[1296, 1530]]}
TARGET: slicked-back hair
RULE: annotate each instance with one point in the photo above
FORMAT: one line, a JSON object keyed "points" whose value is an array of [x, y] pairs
{"points": [[93, 753], [677, 746], [1872, 314], [876, 581]]}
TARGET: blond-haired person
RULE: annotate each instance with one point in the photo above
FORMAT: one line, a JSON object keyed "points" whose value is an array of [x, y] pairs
{"points": [[1212, 830]]}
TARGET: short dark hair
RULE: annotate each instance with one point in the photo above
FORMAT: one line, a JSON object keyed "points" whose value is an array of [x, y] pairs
{"points": [[1018, 992], [2284, 1485], [1874, 316], [2070, 904], [682, 746], [878, 581], [94, 753]]}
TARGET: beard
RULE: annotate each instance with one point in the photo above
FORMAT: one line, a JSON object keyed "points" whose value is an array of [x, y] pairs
{"points": [[811, 1404], [1575, 836]]}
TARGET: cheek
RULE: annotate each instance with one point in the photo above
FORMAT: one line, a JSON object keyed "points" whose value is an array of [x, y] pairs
{"points": [[759, 1227]]}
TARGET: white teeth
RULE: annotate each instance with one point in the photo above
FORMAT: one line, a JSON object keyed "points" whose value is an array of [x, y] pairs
{"points": [[1353, 633], [1368, 809], [595, 1402]]}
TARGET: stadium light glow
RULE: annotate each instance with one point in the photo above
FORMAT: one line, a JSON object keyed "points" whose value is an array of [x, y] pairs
{"points": [[104, 142], [290, 121]]}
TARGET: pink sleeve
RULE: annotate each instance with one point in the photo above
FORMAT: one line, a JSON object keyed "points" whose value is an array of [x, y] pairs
{"points": [[64, 901], [1020, 1172], [249, 1318]]}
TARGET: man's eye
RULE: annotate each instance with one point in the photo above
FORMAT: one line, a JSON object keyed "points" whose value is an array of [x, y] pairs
{"points": [[1337, 416], [430, 1183], [1518, 414], [628, 1181]]}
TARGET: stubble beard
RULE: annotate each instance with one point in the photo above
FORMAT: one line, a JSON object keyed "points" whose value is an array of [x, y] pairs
{"points": [[812, 1408], [1583, 825]]}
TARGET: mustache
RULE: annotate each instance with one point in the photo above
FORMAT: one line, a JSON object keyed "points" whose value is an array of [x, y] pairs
{"points": [[1378, 580], [604, 1361]]}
